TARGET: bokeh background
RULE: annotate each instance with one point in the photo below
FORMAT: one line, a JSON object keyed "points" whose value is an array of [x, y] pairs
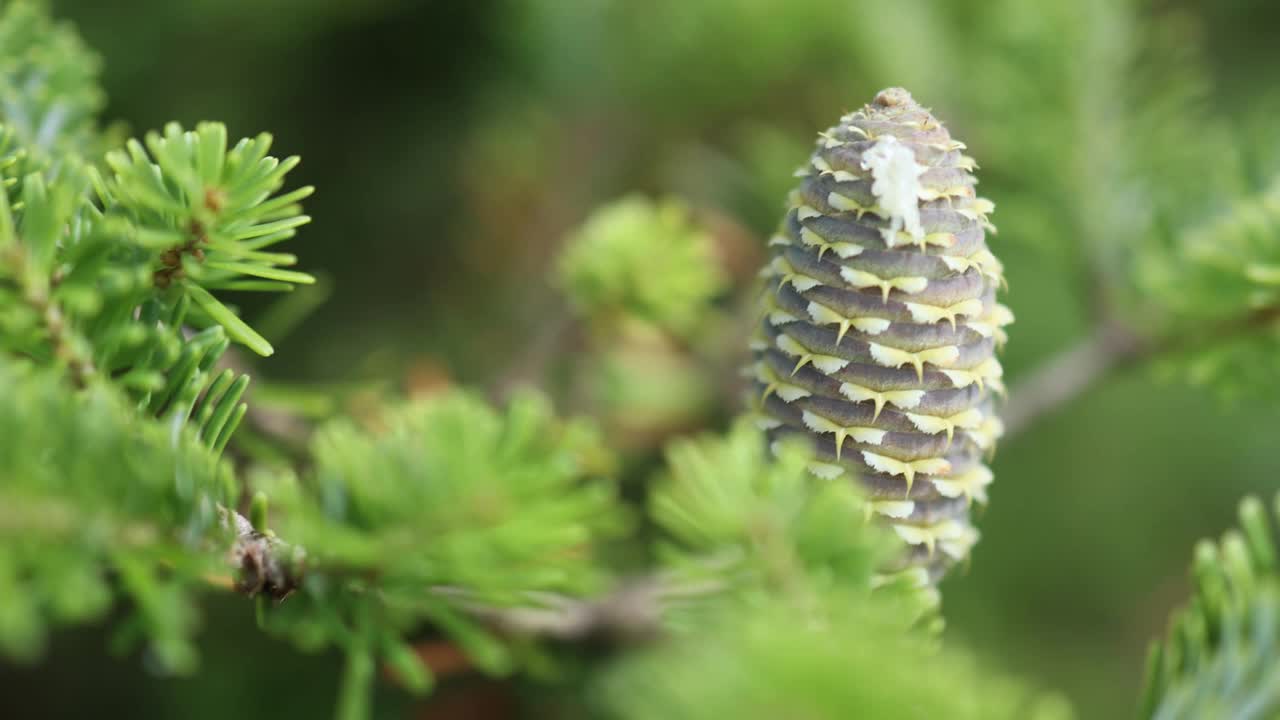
{"points": [[456, 144]]}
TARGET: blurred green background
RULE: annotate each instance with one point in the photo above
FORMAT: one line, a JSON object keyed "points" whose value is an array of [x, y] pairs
{"points": [[455, 144]]}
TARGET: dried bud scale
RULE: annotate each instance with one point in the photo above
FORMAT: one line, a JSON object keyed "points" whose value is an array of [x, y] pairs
{"points": [[881, 324]]}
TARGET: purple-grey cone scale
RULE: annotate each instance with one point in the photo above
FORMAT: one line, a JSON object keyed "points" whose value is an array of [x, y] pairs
{"points": [[878, 337]]}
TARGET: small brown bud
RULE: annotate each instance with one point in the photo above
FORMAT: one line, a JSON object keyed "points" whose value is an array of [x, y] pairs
{"points": [[214, 199]]}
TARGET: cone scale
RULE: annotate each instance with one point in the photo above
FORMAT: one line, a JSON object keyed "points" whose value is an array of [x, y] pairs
{"points": [[880, 326]]}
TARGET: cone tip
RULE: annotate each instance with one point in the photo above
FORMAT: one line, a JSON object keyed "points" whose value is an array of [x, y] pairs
{"points": [[893, 97]]}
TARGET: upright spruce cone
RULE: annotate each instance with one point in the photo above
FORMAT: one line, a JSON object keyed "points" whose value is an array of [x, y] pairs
{"points": [[881, 324]]}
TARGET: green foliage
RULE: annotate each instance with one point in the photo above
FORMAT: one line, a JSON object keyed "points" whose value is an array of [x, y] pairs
{"points": [[55, 274], [1232, 261], [786, 623], [49, 94], [95, 505], [15, 164], [1220, 282], [841, 657], [113, 412], [213, 211], [194, 392], [643, 259], [757, 525], [77, 291], [501, 504], [448, 507], [1222, 655], [101, 275]]}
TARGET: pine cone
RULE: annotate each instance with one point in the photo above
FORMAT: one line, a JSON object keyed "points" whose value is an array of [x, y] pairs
{"points": [[881, 324]]}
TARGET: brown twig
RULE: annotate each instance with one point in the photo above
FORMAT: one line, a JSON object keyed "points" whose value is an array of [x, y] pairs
{"points": [[1068, 375], [632, 611], [530, 365]]}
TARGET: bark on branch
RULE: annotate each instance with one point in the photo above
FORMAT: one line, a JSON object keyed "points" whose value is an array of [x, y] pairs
{"points": [[1066, 376]]}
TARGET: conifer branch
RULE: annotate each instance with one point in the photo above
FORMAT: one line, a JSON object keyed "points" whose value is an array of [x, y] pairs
{"points": [[1072, 372], [1219, 656], [66, 348]]}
